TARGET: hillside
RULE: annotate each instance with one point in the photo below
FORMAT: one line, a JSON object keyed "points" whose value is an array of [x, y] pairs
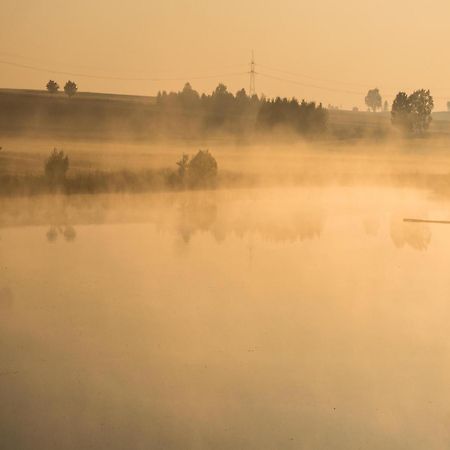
{"points": [[99, 115], [80, 95], [84, 115]]}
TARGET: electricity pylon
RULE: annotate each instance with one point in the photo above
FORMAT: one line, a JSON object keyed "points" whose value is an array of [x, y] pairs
{"points": [[252, 90]]}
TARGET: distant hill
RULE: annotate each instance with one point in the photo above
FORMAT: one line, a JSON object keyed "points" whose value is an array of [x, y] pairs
{"points": [[99, 115], [81, 95], [84, 115], [357, 124]]}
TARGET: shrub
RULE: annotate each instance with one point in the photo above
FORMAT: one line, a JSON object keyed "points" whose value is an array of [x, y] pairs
{"points": [[183, 165], [199, 171], [56, 167], [202, 170]]}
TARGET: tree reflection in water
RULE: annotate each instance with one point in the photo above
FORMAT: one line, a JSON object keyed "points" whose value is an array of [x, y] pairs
{"points": [[6, 298], [196, 215], [201, 214], [415, 235], [371, 226], [67, 231]]}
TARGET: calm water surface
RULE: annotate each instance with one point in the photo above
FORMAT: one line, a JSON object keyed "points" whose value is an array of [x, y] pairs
{"points": [[263, 319]]}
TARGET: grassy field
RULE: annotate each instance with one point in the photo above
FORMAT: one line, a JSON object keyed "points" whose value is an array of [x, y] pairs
{"points": [[86, 115], [136, 166], [113, 137], [33, 93]]}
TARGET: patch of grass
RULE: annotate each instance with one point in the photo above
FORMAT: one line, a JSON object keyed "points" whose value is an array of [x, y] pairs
{"points": [[90, 183]]}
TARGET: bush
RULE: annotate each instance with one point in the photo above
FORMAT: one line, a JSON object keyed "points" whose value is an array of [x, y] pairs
{"points": [[56, 167], [202, 169], [183, 165], [199, 171]]}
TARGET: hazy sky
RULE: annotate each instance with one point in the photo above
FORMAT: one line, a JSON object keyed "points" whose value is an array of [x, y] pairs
{"points": [[333, 50]]}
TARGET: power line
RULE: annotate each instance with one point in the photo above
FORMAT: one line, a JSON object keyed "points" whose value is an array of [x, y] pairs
{"points": [[324, 88], [389, 94], [102, 77], [310, 85], [296, 74], [40, 61], [253, 72]]}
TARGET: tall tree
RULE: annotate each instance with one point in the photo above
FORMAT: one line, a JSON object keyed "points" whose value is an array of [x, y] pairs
{"points": [[373, 99], [422, 105], [401, 112], [413, 112], [189, 98]]}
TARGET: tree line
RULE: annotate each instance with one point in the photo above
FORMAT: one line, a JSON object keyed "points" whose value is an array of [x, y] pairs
{"points": [[240, 112], [189, 112]]}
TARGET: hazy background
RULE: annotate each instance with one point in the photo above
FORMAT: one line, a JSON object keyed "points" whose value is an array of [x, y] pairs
{"points": [[335, 50]]}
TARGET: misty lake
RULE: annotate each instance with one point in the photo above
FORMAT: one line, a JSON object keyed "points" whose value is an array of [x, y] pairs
{"points": [[294, 318]]}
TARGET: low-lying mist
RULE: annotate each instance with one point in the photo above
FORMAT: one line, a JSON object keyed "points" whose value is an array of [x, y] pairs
{"points": [[120, 166]]}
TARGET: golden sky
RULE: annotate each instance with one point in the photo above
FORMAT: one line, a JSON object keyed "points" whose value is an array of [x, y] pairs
{"points": [[328, 50]]}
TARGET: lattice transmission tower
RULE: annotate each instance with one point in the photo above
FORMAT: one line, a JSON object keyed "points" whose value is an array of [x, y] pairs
{"points": [[252, 90]]}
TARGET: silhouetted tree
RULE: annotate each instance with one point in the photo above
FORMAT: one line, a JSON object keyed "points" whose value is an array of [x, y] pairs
{"points": [[373, 99], [422, 105], [386, 106], [70, 88], [302, 117], [187, 112], [412, 113], [189, 98], [401, 112], [448, 106], [56, 167], [183, 165], [52, 87], [242, 97], [218, 106], [202, 169]]}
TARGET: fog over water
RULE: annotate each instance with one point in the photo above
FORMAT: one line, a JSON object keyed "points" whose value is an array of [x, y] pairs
{"points": [[269, 318], [224, 226]]}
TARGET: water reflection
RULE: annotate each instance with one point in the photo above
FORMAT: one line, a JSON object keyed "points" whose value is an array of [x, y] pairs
{"points": [[415, 235], [120, 331], [371, 226], [6, 298], [279, 216], [199, 214], [67, 232], [304, 225]]}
